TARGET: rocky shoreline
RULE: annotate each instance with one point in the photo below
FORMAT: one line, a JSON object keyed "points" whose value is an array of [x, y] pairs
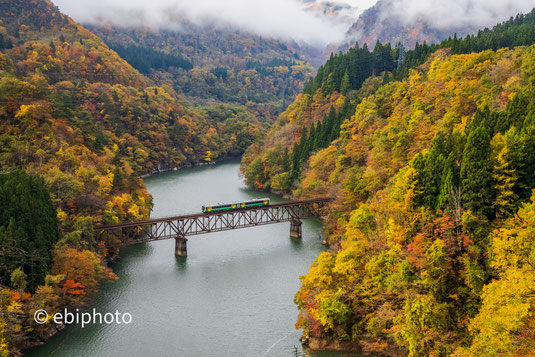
{"points": [[26, 342], [329, 344]]}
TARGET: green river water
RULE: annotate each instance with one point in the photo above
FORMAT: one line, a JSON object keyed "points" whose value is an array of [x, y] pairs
{"points": [[232, 296]]}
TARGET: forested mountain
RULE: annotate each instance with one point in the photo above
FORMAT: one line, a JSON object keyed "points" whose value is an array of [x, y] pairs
{"points": [[214, 65], [84, 125], [66, 95], [431, 232], [355, 74], [382, 23]]}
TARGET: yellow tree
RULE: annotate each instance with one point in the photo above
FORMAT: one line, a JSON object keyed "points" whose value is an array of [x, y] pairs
{"points": [[506, 321]]}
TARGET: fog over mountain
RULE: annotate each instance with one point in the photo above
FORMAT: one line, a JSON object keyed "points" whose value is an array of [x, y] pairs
{"points": [[313, 22], [285, 19], [452, 14]]}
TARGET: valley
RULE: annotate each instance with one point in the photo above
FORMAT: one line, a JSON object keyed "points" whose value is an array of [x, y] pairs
{"points": [[420, 128]]}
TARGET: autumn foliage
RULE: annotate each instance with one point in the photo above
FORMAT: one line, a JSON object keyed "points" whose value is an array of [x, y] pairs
{"points": [[430, 229]]}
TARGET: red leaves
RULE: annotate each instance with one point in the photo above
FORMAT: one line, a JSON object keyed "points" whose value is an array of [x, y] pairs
{"points": [[73, 288], [443, 227], [416, 250]]}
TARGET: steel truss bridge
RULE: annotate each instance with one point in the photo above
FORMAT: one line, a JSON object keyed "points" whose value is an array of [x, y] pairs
{"points": [[180, 227]]}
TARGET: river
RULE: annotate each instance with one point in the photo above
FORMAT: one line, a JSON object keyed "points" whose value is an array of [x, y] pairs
{"points": [[232, 296]]}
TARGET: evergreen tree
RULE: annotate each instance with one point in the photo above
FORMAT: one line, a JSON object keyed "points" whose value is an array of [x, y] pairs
{"points": [[28, 228], [449, 181], [118, 179], [505, 178], [318, 137], [476, 173], [346, 83], [286, 163]]}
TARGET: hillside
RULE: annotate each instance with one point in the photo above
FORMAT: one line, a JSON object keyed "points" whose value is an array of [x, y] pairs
{"points": [[222, 65], [381, 23], [77, 113], [427, 175], [343, 82], [79, 128], [431, 232]]}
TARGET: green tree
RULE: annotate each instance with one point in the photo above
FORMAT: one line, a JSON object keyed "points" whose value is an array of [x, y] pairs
{"points": [[18, 280], [118, 179], [346, 83], [505, 178], [476, 173], [28, 227]]}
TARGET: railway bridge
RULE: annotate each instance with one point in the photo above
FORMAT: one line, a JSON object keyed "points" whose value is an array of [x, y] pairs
{"points": [[180, 227]]}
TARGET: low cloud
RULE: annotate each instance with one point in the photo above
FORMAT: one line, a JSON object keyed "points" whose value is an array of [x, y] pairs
{"points": [[284, 19], [458, 14], [313, 22]]}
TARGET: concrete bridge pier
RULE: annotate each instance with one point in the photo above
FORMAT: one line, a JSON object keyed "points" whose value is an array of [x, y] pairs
{"points": [[296, 230], [181, 249]]}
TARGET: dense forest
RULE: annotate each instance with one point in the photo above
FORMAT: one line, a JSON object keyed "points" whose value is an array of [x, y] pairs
{"points": [[84, 126], [219, 68], [146, 59], [360, 72], [431, 166], [428, 152]]}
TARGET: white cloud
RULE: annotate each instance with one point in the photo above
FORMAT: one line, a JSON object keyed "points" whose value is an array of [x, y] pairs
{"points": [[458, 14], [292, 19], [286, 19]]}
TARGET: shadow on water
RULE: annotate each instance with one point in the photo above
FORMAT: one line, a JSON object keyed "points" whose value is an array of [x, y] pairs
{"points": [[135, 251], [261, 194], [297, 244]]}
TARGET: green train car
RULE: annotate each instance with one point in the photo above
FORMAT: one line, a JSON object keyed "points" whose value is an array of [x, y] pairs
{"points": [[235, 206]]}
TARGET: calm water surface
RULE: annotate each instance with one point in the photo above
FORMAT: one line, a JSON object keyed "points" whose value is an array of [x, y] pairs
{"points": [[232, 296]]}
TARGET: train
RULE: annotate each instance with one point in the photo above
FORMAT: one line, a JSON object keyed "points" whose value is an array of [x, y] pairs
{"points": [[235, 206]]}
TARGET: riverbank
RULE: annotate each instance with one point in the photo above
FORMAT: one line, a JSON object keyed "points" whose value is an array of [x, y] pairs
{"points": [[324, 344], [189, 165]]}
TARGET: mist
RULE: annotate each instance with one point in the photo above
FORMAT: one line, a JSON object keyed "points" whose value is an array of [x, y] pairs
{"points": [[283, 19], [458, 14], [304, 21]]}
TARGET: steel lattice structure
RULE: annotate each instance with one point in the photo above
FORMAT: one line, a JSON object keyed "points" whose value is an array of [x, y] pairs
{"points": [[179, 227]]}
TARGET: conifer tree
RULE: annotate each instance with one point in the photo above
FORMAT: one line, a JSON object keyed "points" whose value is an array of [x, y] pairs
{"points": [[505, 178], [286, 163], [28, 228], [346, 83], [118, 179], [476, 173], [448, 182]]}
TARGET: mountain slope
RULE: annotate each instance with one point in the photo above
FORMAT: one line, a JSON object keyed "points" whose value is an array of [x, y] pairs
{"points": [[227, 66], [381, 23], [76, 112], [425, 174], [355, 74], [431, 231]]}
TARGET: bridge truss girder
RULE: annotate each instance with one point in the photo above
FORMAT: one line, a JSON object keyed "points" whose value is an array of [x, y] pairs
{"points": [[189, 225]]}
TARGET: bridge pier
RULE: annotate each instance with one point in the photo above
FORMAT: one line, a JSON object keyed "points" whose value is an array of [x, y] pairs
{"points": [[296, 230], [181, 249]]}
